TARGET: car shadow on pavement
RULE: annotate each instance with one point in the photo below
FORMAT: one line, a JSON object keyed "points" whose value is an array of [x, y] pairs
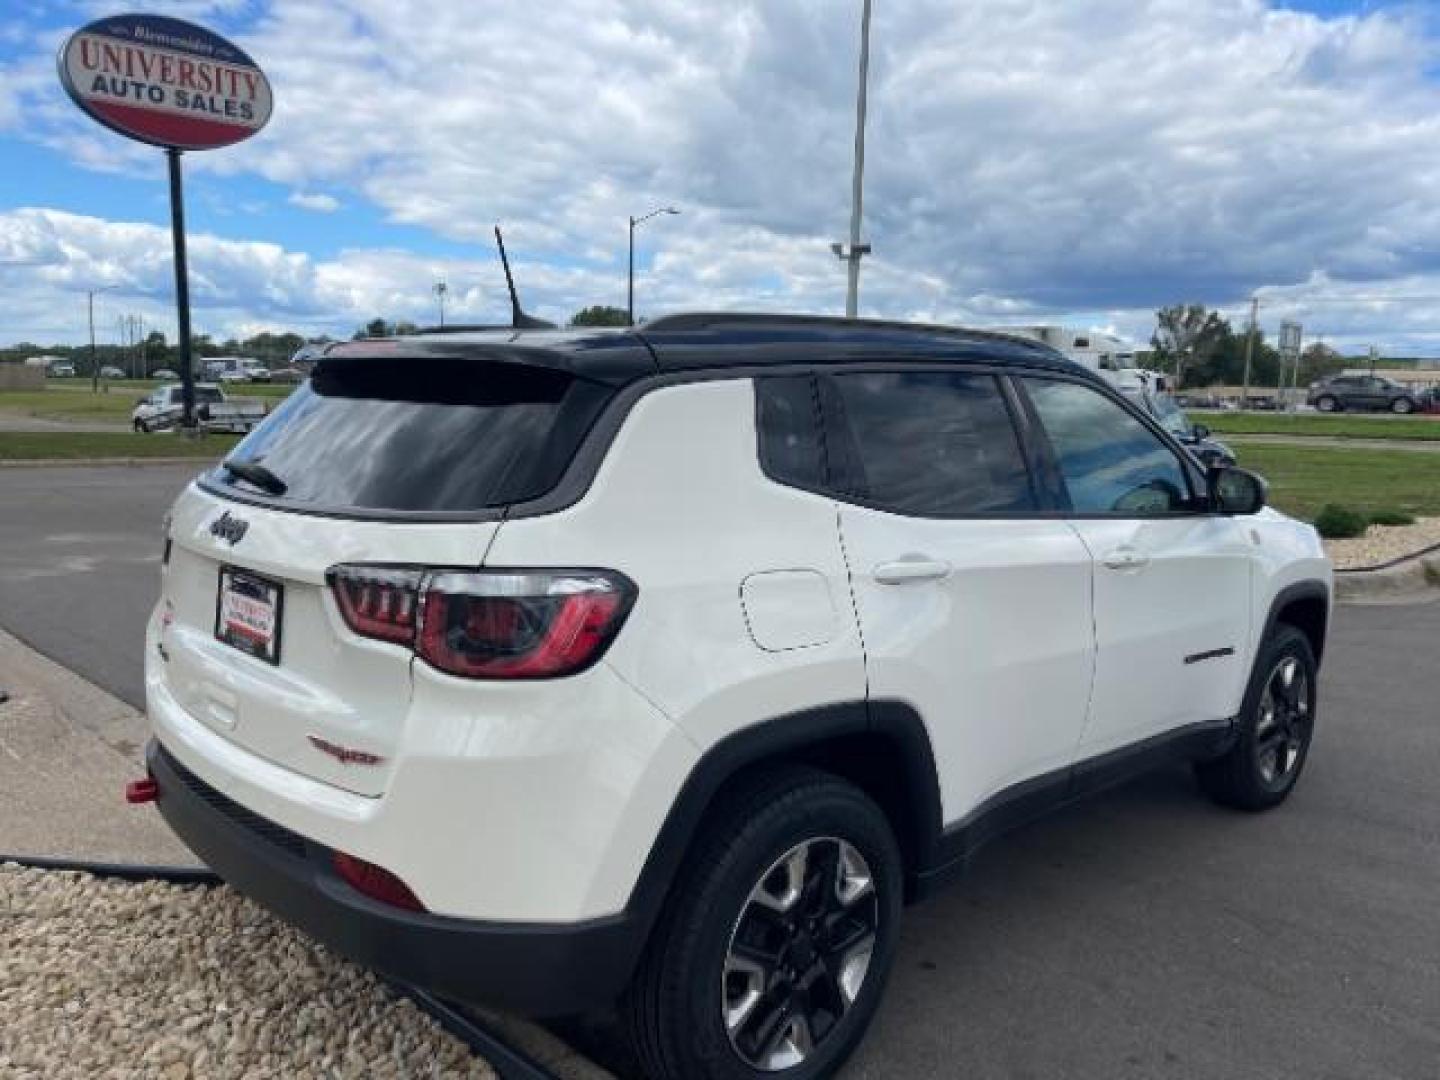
{"points": [[1020, 873]]}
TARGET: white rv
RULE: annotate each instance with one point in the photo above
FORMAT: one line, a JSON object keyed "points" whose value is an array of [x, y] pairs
{"points": [[1098, 351]]}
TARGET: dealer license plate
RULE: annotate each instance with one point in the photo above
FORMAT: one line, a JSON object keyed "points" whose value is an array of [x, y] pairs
{"points": [[248, 613]]}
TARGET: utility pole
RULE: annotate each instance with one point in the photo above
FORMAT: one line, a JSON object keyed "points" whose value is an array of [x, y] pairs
{"points": [[440, 289], [852, 254], [1250, 350], [94, 364]]}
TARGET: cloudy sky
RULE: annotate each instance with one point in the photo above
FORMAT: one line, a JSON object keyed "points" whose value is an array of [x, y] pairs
{"points": [[1058, 161]]}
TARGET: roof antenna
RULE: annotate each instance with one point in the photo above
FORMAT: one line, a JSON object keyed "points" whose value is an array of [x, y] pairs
{"points": [[518, 319]]}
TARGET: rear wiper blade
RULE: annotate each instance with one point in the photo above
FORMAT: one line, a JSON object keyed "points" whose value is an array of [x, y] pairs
{"points": [[252, 472]]}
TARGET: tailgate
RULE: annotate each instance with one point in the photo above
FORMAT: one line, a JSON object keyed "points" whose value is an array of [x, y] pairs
{"points": [[326, 687]]}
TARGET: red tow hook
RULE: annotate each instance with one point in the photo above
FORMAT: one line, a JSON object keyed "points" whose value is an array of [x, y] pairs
{"points": [[142, 791]]}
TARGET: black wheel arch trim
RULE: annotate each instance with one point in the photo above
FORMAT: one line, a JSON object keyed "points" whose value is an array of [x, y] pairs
{"points": [[790, 737], [1309, 590], [936, 850]]}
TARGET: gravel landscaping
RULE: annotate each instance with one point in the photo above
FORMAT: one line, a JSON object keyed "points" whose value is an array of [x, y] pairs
{"points": [[1382, 543], [104, 978]]}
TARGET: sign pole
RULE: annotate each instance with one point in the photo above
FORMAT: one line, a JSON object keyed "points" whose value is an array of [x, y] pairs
{"points": [[182, 290], [175, 85]]}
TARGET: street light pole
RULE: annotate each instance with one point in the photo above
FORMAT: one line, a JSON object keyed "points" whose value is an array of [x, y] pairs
{"points": [[630, 277]]}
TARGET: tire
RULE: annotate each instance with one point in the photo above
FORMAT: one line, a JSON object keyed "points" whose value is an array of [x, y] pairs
{"points": [[1274, 721], [699, 1006], [1402, 406], [1327, 403], [141, 427]]}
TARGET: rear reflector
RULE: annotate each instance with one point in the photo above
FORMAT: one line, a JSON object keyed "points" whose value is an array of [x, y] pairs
{"points": [[142, 791], [376, 882], [488, 624]]}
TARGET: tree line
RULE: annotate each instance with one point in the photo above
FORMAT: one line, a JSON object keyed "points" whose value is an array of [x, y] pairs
{"points": [[1200, 348], [595, 315], [1191, 341], [155, 351]]}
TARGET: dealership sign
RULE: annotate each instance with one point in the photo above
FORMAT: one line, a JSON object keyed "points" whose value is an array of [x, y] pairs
{"points": [[174, 85], [165, 82]]}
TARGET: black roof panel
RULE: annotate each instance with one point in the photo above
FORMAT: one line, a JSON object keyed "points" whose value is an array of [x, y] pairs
{"points": [[733, 339], [700, 341]]}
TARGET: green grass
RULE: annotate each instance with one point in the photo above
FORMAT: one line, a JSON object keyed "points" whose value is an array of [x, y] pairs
{"points": [[1304, 479], [72, 399], [1343, 427], [22, 446]]}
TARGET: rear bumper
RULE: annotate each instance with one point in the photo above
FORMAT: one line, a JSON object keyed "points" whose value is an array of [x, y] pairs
{"points": [[532, 968]]}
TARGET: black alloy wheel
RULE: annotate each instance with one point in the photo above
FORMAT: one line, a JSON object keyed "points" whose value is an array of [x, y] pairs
{"points": [[1283, 726], [799, 953], [1275, 727], [773, 951]]}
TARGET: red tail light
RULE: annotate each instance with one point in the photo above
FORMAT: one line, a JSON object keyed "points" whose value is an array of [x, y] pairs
{"points": [[377, 601], [489, 624], [376, 882]]}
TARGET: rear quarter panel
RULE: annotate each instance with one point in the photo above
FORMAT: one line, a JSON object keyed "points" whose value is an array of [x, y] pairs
{"points": [[682, 507]]}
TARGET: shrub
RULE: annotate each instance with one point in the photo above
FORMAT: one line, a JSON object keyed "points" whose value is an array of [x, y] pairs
{"points": [[1339, 522], [1391, 517]]}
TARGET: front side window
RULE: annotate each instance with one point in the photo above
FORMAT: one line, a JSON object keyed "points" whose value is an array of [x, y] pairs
{"points": [[1170, 416], [1110, 462], [929, 444]]}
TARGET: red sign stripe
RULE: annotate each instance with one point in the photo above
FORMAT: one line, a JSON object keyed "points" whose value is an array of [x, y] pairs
{"points": [[170, 129]]}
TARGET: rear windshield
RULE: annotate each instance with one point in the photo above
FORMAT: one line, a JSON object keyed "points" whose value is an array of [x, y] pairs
{"points": [[419, 435]]}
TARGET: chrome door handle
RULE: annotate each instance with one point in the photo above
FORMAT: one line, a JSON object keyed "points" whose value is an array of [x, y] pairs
{"points": [[1126, 559], [903, 570]]}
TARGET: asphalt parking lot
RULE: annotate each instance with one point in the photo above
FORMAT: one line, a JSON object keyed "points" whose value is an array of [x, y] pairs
{"points": [[1146, 934]]}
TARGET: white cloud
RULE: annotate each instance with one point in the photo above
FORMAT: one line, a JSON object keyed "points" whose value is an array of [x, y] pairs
{"points": [[316, 200], [1086, 160]]}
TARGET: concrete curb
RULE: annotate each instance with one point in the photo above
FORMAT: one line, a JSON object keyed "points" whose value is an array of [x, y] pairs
{"points": [[67, 748], [131, 462], [1412, 577]]}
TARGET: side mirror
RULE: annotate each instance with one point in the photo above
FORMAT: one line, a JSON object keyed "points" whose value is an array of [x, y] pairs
{"points": [[1200, 432], [1235, 491]]}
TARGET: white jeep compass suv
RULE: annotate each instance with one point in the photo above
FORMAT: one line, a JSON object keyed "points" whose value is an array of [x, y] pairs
{"points": [[550, 669]]}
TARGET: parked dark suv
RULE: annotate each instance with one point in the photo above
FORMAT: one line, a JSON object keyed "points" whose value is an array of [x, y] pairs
{"points": [[1373, 392]]}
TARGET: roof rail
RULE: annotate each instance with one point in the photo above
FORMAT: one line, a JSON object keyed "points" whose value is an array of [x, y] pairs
{"points": [[460, 328], [711, 320]]}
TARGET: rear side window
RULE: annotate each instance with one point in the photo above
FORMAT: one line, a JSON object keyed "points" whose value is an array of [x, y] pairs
{"points": [[929, 444], [788, 418], [420, 435]]}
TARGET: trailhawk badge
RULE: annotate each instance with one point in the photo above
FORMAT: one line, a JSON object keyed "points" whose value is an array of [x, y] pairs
{"points": [[344, 754], [229, 528]]}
